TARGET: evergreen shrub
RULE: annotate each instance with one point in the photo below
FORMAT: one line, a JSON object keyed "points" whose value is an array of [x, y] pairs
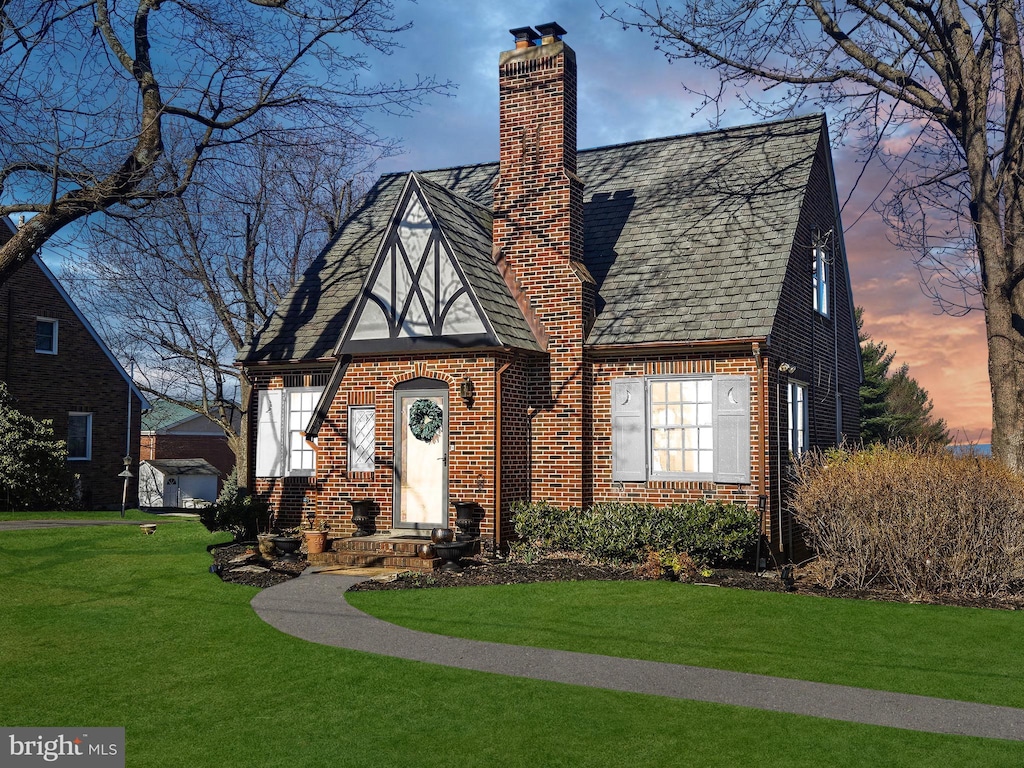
{"points": [[236, 511], [711, 533]]}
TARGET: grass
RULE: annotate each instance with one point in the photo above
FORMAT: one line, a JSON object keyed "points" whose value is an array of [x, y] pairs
{"points": [[106, 627], [958, 653]]}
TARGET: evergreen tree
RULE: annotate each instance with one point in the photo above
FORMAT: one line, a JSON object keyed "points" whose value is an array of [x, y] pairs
{"points": [[893, 406]]}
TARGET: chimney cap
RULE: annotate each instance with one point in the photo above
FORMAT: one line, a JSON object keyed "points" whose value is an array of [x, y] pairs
{"points": [[524, 35], [551, 30]]}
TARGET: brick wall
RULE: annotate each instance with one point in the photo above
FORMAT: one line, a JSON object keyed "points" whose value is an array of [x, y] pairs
{"points": [[79, 377]]}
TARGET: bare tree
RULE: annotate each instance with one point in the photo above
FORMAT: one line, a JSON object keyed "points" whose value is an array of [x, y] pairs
{"points": [[91, 90], [183, 285], [934, 88]]}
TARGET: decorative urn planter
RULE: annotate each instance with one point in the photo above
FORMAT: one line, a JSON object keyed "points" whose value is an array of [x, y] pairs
{"points": [[362, 516], [148, 528], [288, 546], [316, 541], [451, 553], [465, 518]]}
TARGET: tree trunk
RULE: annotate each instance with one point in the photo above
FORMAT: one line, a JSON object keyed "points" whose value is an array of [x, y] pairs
{"points": [[240, 442]]}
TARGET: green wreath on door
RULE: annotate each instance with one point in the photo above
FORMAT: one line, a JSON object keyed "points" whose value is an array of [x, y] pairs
{"points": [[425, 419]]}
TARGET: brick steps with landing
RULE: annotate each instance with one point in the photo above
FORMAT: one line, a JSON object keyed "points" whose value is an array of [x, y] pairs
{"points": [[381, 551]]}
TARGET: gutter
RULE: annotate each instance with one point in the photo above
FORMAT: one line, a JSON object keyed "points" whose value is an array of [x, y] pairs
{"points": [[497, 455]]}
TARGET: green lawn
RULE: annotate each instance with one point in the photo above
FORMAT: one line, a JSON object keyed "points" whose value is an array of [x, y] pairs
{"points": [[129, 514], [107, 627], [958, 653]]}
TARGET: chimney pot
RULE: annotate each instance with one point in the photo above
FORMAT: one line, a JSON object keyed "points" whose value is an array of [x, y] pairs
{"points": [[525, 36], [550, 32]]}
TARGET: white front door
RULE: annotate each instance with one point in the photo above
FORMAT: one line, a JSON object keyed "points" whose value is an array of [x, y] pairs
{"points": [[421, 458]]}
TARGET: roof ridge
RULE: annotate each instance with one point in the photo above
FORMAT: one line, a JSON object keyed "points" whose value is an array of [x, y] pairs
{"points": [[420, 178]]}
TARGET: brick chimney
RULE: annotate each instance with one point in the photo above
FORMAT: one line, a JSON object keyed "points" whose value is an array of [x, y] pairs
{"points": [[538, 234]]}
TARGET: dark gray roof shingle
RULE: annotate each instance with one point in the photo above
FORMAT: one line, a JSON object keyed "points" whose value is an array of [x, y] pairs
{"points": [[687, 237]]}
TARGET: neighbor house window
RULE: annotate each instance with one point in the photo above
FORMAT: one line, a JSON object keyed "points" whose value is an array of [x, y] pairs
{"points": [[281, 446], [681, 428], [821, 278], [46, 336], [797, 418], [362, 424], [79, 436]]}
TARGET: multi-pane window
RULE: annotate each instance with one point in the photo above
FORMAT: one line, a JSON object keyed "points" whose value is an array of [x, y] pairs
{"points": [[797, 418], [682, 427], [821, 278], [79, 436], [362, 424], [46, 336], [301, 456]]}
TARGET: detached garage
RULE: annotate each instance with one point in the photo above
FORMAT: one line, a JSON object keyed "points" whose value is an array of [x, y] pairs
{"points": [[179, 483]]}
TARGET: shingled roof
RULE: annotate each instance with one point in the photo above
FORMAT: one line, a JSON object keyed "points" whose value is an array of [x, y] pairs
{"points": [[687, 237]]}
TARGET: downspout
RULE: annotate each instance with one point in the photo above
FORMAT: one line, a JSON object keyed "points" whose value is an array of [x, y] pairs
{"points": [[761, 498], [497, 455]]}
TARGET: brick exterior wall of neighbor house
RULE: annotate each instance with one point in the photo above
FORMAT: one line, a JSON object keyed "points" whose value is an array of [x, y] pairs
{"points": [[79, 378], [213, 448]]}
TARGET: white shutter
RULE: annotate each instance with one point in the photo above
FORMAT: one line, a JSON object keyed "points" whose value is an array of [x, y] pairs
{"points": [[629, 430], [732, 429], [269, 445]]}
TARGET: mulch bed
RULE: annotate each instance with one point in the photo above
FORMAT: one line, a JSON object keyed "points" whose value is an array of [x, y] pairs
{"points": [[235, 563]]}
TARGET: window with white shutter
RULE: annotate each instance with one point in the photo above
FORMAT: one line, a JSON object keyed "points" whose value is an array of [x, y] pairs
{"points": [[681, 428], [281, 445]]}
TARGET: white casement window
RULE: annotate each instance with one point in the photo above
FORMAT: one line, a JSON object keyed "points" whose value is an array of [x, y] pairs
{"points": [[281, 446], [46, 336], [797, 418], [362, 431], [79, 436], [681, 428], [821, 278]]}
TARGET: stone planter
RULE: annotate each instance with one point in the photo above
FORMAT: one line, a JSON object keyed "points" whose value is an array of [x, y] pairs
{"points": [[362, 516], [288, 546], [266, 545]]}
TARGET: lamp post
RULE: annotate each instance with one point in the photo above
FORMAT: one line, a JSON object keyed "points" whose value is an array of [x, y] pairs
{"points": [[127, 475]]}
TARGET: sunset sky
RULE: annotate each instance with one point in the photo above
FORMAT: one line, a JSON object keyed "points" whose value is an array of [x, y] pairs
{"points": [[627, 92]]}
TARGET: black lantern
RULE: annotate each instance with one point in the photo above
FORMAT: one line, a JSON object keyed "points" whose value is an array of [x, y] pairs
{"points": [[467, 391]]}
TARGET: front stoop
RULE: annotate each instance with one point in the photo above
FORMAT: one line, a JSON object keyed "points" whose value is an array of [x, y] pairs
{"points": [[382, 550]]}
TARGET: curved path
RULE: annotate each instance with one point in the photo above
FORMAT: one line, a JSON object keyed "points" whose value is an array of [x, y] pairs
{"points": [[313, 607]]}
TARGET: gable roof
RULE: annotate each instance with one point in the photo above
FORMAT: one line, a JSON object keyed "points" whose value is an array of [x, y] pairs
{"points": [[688, 239], [433, 282]]}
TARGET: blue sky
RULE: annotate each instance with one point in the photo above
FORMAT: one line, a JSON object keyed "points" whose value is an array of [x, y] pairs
{"points": [[628, 92]]}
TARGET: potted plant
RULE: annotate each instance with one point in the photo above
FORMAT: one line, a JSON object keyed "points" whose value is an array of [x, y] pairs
{"points": [[288, 542], [315, 532]]}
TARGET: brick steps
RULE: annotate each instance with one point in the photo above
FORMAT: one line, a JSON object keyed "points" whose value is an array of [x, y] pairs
{"points": [[380, 551]]}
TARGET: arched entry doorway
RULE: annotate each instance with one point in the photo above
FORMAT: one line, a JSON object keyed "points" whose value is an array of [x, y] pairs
{"points": [[421, 454]]}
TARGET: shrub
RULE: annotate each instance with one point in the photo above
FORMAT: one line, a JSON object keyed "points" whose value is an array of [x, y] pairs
{"points": [[33, 469], [236, 511], [711, 533], [917, 519]]}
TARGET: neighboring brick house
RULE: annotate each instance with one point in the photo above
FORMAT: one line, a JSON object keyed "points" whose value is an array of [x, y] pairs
{"points": [[659, 321], [57, 367], [187, 456]]}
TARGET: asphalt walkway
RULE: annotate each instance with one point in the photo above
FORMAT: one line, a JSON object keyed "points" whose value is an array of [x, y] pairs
{"points": [[313, 607]]}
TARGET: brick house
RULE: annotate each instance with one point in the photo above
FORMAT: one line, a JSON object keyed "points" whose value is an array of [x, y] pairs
{"points": [[57, 367], [660, 321], [185, 456]]}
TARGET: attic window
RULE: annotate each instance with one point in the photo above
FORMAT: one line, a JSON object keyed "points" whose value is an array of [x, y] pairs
{"points": [[46, 336], [820, 280]]}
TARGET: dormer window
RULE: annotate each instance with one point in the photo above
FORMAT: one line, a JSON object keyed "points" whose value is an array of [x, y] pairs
{"points": [[46, 336], [821, 278]]}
